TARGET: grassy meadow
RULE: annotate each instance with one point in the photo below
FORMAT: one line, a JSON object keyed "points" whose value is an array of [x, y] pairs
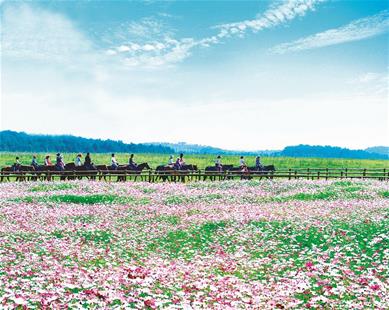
{"points": [[203, 160]]}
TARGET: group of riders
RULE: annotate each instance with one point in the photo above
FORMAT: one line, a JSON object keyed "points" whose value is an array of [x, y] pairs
{"points": [[177, 164], [59, 162]]}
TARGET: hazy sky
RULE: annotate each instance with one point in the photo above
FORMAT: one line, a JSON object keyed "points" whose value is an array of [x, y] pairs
{"points": [[233, 74]]}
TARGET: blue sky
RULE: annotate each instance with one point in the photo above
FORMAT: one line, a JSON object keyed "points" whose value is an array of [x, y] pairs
{"points": [[233, 74]]}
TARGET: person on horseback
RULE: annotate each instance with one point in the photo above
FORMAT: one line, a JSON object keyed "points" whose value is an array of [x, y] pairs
{"points": [[258, 164], [78, 161], [132, 165], [170, 162], [218, 163], [182, 162], [48, 161], [114, 163], [60, 165], [88, 162], [179, 162], [177, 165], [16, 165], [34, 162], [242, 164]]}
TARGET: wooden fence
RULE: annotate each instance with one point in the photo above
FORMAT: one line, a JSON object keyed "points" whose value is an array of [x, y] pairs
{"points": [[183, 176]]}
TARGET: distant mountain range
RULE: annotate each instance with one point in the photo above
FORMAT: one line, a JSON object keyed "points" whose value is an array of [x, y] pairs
{"points": [[11, 141], [205, 149]]}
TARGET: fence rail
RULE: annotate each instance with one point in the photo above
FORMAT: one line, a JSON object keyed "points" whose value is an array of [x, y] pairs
{"points": [[156, 176]]}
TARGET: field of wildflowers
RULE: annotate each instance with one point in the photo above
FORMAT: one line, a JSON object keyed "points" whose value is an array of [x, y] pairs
{"points": [[234, 244]]}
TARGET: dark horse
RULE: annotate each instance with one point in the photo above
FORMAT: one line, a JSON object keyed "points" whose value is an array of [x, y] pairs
{"points": [[122, 171], [20, 172], [264, 171], [167, 171], [213, 171], [72, 171], [128, 170], [45, 172]]}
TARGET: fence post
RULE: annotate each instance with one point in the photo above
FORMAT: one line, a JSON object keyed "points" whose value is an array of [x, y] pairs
{"points": [[308, 173], [290, 173], [327, 173], [318, 175], [364, 172]]}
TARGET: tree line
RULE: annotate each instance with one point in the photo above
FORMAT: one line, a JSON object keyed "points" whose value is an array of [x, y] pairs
{"points": [[11, 141]]}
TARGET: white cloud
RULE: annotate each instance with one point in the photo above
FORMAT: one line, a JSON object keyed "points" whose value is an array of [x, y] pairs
{"points": [[357, 30], [123, 48], [272, 17], [155, 45], [41, 35], [373, 83]]}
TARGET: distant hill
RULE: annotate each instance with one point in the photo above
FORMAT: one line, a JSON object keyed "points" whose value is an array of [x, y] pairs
{"points": [[204, 149], [384, 150], [11, 141], [328, 152]]}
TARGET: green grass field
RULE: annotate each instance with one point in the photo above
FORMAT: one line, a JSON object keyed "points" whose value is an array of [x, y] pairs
{"points": [[202, 161]]}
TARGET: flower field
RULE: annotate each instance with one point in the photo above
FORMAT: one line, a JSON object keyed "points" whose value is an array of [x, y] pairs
{"points": [[222, 245]]}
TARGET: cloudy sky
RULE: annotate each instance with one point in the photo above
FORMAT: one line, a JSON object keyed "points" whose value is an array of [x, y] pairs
{"points": [[233, 74]]}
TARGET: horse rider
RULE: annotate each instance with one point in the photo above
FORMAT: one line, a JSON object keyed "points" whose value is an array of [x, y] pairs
{"points": [[59, 165], [114, 163], [77, 161], [132, 165], [170, 162], [16, 165], [218, 163], [48, 161], [88, 162], [177, 165], [258, 164], [182, 162], [34, 162], [179, 162], [242, 164]]}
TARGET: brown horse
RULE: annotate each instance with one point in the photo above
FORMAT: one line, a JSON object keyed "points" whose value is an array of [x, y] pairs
{"points": [[72, 172], [20, 173], [45, 172], [127, 170], [213, 171], [165, 172]]}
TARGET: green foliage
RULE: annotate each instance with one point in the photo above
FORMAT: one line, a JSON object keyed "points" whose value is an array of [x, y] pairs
{"points": [[87, 199], [171, 219], [186, 243], [52, 187], [385, 194], [97, 236], [314, 196]]}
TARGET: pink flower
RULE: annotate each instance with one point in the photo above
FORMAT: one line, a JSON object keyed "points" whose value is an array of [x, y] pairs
{"points": [[375, 287], [150, 303], [363, 281]]}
